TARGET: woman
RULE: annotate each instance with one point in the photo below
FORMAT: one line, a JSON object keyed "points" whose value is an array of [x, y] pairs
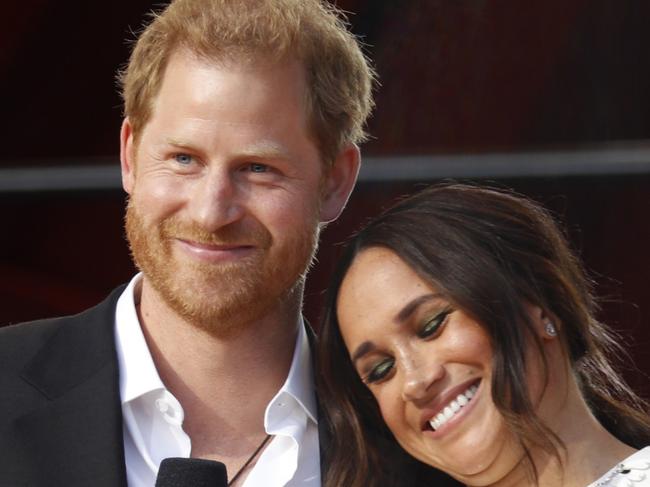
{"points": [[461, 318]]}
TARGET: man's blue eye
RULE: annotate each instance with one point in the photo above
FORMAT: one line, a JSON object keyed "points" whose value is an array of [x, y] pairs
{"points": [[254, 167], [183, 159]]}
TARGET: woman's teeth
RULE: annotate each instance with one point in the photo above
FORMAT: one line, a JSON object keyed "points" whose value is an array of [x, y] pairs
{"points": [[453, 407]]}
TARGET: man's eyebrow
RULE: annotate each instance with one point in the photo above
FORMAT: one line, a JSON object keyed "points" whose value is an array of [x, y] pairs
{"points": [[408, 310], [183, 144], [362, 349], [264, 149]]}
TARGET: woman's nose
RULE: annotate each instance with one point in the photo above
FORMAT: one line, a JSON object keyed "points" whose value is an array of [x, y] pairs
{"points": [[420, 375]]}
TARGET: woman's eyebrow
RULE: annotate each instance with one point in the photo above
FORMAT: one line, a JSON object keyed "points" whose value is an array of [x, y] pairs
{"points": [[408, 310], [368, 346], [363, 349]]}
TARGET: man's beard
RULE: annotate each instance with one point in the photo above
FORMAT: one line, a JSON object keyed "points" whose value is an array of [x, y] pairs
{"points": [[219, 297]]}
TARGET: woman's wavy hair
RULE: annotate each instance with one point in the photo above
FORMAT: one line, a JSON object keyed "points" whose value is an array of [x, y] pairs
{"points": [[489, 251]]}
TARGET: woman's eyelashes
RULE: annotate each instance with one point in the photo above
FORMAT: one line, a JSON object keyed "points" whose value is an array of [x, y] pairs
{"points": [[431, 329], [434, 325], [380, 371]]}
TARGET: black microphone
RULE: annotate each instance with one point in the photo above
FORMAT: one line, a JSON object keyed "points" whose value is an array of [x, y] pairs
{"points": [[191, 472]]}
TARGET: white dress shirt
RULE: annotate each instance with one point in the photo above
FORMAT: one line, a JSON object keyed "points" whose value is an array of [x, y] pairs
{"points": [[153, 417]]}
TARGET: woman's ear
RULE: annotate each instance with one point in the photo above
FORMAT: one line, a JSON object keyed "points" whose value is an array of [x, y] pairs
{"points": [[546, 325]]}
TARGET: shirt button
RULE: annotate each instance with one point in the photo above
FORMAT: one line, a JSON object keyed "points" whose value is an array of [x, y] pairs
{"points": [[173, 416], [162, 405]]}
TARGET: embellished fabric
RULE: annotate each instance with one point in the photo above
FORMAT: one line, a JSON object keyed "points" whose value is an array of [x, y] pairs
{"points": [[634, 471]]}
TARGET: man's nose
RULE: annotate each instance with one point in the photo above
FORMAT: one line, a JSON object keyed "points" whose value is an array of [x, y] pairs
{"points": [[421, 372], [215, 200]]}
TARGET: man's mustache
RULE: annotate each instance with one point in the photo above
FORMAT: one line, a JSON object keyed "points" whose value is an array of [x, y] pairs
{"points": [[234, 234]]}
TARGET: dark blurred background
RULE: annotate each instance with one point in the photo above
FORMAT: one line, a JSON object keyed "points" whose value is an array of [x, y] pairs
{"points": [[549, 97]]}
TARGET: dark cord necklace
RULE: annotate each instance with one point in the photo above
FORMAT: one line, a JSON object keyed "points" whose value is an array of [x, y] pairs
{"points": [[250, 459]]}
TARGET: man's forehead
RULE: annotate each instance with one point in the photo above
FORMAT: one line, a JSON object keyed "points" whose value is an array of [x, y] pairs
{"points": [[193, 78], [258, 70]]}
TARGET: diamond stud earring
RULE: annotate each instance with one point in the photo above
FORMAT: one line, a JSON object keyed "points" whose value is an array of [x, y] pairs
{"points": [[549, 327]]}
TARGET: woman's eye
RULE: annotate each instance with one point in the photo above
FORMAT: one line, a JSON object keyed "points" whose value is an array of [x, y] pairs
{"points": [[183, 159], [432, 326], [380, 371]]}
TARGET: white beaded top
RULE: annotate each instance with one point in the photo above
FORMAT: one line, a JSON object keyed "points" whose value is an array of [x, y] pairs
{"points": [[634, 471]]}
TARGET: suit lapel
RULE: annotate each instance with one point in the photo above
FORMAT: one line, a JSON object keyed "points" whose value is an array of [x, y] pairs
{"points": [[323, 430], [75, 437]]}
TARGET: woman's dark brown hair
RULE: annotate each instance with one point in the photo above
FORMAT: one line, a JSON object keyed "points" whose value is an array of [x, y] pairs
{"points": [[489, 252]]}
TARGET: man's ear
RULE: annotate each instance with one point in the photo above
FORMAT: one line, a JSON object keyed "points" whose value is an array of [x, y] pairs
{"points": [[127, 156], [338, 183]]}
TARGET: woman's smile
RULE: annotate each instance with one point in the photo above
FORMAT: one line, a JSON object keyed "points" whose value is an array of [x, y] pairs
{"points": [[450, 412], [427, 363]]}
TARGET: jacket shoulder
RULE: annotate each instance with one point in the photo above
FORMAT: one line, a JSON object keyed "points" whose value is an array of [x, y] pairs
{"points": [[60, 415], [20, 342]]}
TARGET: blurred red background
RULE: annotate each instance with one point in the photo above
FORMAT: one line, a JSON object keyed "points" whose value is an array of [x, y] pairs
{"points": [[457, 78]]}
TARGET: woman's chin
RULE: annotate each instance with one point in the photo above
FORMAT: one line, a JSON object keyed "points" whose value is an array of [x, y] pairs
{"points": [[478, 455]]}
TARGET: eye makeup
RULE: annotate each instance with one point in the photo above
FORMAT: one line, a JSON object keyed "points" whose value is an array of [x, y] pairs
{"points": [[433, 326], [379, 371]]}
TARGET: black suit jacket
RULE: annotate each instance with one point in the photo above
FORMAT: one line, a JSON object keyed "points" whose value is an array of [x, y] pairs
{"points": [[60, 408]]}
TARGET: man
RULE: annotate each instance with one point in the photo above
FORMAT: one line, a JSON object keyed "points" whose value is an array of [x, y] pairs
{"points": [[239, 143]]}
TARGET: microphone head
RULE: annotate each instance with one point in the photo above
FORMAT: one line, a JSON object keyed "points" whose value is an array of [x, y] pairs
{"points": [[191, 472]]}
